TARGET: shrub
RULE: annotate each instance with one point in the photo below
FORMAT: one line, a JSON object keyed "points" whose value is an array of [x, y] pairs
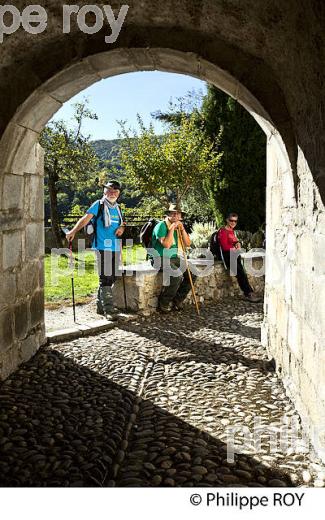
{"points": [[201, 233], [244, 238]]}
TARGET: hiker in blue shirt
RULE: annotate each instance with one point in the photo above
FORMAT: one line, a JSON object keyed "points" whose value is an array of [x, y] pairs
{"points": [[107, 220]]}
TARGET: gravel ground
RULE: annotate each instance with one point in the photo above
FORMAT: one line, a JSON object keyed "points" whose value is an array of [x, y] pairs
{"points": [[149, 404], [62, 317]]}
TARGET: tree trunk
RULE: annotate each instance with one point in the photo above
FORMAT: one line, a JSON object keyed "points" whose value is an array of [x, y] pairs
{"points": [[55, 223]]}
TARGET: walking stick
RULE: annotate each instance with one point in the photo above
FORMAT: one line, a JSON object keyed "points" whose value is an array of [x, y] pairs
{"points": [[123, 280], [72, 282], [180, 238]]}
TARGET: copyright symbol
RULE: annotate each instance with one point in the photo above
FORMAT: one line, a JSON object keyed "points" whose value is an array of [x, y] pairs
{"points": [[196, 499]]}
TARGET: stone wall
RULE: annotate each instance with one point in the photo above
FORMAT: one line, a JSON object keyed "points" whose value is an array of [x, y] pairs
{"points": [[267, 54], [143, 287], [275, 49], [294, 325], [21, 266]]}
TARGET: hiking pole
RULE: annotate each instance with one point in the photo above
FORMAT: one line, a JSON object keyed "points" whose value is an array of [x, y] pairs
{"points": [[72, 282], [123, 280], [124, 290], [189, 272]]}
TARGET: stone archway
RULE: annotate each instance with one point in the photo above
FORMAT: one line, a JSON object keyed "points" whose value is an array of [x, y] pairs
{"points": [[23, 158], [294, 329]]}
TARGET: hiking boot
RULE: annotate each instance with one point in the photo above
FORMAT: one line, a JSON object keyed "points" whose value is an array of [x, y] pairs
{"points": [[252, 297], [105, 305], [99, 307], [178, 305], [110, 316], [165, 308]]}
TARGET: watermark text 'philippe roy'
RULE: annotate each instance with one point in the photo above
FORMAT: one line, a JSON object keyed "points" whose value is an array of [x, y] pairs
{"points": [[90, 19]]}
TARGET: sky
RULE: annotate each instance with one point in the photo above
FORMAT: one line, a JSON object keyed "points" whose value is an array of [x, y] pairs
{"points": [[122, 97]]}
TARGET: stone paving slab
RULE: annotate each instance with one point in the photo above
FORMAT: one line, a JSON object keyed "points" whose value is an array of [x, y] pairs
{"points": [[150, 403], [81, 330], [61, 318]]}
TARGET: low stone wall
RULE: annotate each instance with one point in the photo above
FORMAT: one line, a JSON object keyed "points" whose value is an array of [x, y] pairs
{"points": [[143, 286]]}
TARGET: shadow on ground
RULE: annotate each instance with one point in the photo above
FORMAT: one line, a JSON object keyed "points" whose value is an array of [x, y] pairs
{"points": [[62, 424], [182, 333]]}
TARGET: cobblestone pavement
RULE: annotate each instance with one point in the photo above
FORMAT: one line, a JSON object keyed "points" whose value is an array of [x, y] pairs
{"points": [[149, 404]]}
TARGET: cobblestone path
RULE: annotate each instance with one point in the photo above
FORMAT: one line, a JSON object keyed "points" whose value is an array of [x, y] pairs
{"points": [[149, 404]]}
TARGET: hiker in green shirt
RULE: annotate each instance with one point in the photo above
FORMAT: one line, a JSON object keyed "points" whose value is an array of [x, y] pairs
{"points": [[165, 241]]}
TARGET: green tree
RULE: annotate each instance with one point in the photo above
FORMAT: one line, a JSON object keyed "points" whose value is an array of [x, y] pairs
{"points": [[71, 164], [166, 167], [197, 206], [188, 106], [239, 182]]}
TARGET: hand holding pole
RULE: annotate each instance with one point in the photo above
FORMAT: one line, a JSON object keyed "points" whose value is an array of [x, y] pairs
{"points": [[180, 238]]}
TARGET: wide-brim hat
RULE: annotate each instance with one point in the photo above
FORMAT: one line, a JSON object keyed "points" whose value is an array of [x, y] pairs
{"points": [[113, 184], [174, 207]]}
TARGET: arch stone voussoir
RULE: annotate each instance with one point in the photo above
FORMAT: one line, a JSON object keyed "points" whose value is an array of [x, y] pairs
{"points": [[71, 80], [170, 60], [143, 59], [35, 112], [111, 63], [16, 147]]}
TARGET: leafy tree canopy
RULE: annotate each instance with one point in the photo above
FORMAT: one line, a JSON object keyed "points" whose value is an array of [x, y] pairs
{"points": [[165, 167], [239, 181], [71, 164]]}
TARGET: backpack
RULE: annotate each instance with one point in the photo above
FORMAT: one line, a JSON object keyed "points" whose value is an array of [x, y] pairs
{"points": [[146, 232], [91, 227], [214, 245]]}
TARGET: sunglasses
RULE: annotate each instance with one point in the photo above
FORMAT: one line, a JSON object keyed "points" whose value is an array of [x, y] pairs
{"points": [[232, 220]]}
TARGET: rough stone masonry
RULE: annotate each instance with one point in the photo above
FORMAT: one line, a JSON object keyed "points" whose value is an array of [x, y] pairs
{"points": [[269, 55]]}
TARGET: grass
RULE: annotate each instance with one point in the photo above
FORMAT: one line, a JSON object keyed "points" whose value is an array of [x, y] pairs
{"points": [[58, 275]]}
